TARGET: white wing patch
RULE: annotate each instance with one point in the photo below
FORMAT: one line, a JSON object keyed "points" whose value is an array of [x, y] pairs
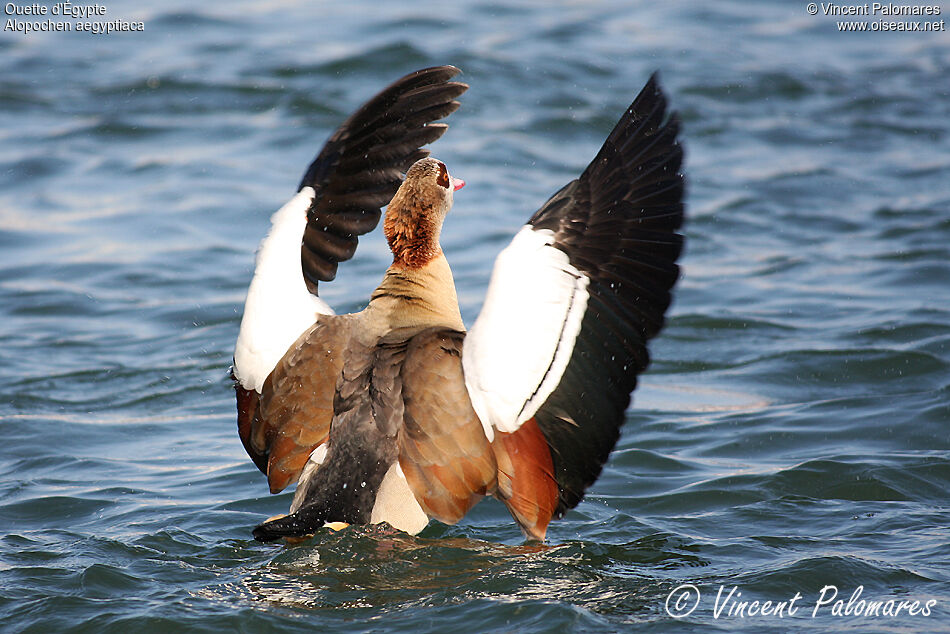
{"points": [[517, 351], [279, 307]]}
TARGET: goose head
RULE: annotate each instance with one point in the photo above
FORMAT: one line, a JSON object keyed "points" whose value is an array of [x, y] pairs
{"points": [[415, 215]]}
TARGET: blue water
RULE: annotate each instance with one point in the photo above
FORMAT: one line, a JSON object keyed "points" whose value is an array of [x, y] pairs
{"points": [[793, 431]]}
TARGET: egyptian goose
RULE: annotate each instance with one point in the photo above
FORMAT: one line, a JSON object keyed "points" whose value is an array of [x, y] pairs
{"points": [[396, 414]]}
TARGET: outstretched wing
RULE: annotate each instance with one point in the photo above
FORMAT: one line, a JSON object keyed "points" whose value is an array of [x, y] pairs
{"points": [[356, 173], [362, 165], [555, 353]]}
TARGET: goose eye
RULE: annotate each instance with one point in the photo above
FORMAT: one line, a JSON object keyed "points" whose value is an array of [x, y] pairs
{"points": [[443, 177]]}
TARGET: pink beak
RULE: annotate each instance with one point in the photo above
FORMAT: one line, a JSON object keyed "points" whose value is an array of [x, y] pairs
{"points": [[457, 183]]}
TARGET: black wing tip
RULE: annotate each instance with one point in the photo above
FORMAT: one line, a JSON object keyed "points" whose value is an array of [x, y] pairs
{"points": [[650, 103], [419, 79], [390, 129], [630, 197], [645, 121], [442, 73], [425, 78], [653, 88]]}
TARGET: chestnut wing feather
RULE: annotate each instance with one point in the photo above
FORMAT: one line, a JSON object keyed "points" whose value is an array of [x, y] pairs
{"points": [[443, 450], [296, 402]]}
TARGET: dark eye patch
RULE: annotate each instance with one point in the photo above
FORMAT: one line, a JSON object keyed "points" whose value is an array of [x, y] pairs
{"points": [[443, 178]]}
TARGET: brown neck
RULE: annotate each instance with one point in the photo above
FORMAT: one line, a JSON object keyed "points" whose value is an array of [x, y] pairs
{"points": [[412, 229]]}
